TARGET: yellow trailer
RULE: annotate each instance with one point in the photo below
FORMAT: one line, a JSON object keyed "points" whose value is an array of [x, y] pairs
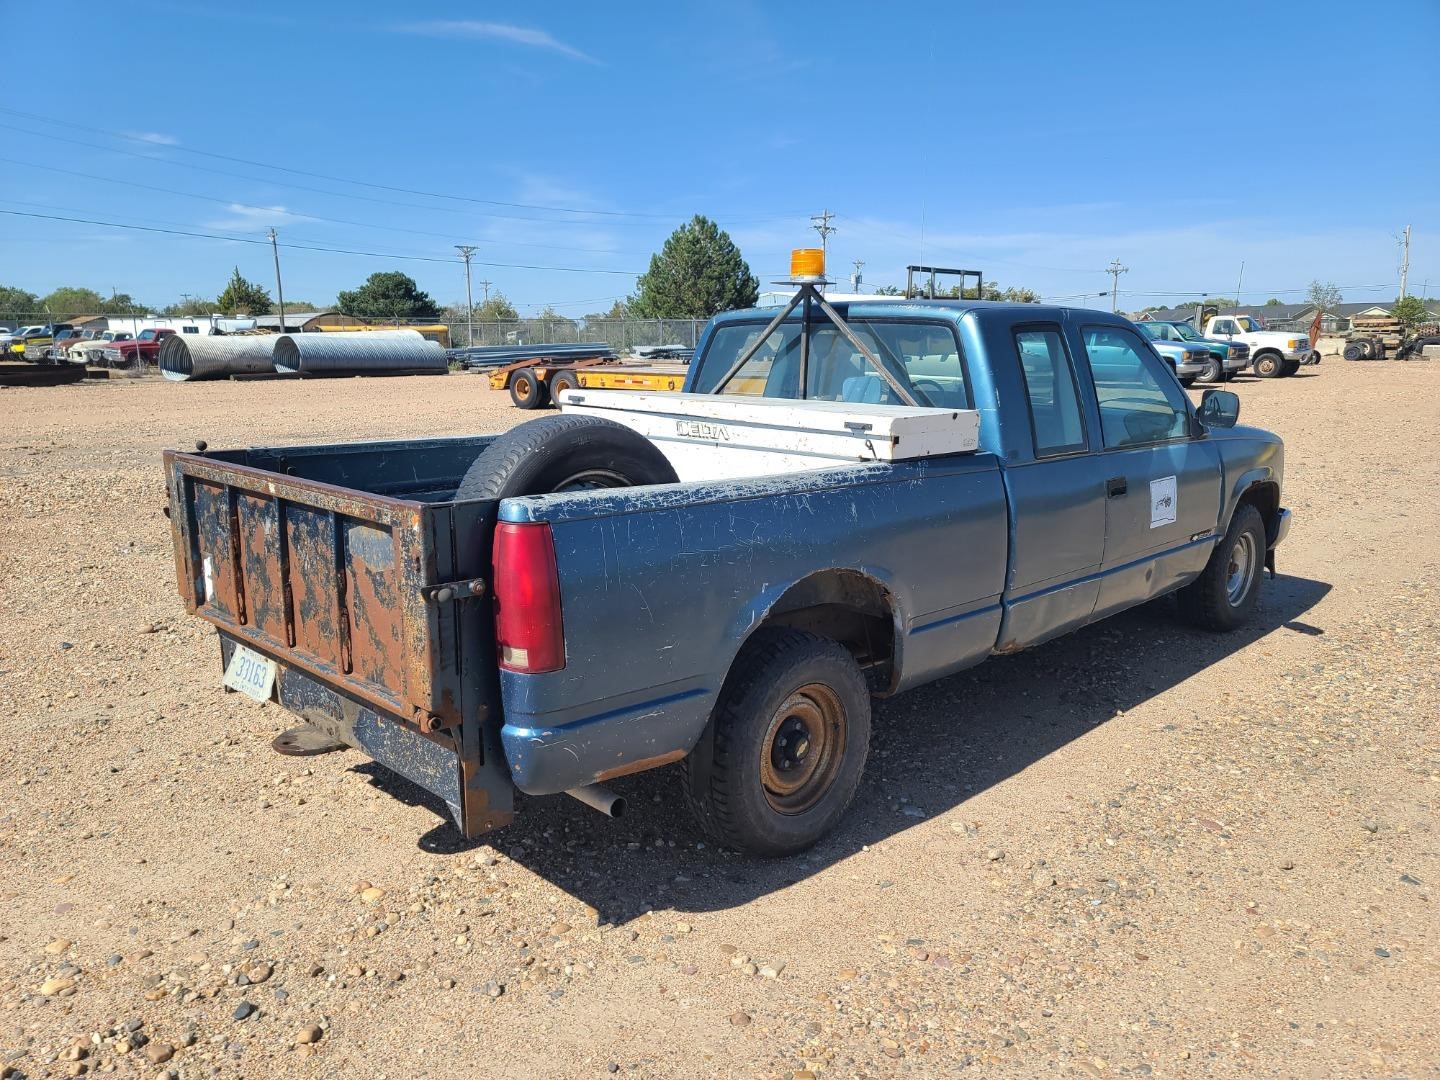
{"points": [[534, 383]]}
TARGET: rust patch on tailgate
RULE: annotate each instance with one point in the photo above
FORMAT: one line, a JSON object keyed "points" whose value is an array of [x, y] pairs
{"points": [[377, 650]]}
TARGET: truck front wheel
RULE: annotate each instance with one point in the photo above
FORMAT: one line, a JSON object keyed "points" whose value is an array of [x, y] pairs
{"points": [[786, 746], [1227, 590], [1269, 365]]}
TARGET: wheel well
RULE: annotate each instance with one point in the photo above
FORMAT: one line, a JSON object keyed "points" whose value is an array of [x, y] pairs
{"points": [[848, 607], [1264, 352], [1264, 495]]}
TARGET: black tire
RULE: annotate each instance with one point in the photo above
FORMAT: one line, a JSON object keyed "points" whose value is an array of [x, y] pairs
{"points": [[787, 688], [1214, 600], [1268, 365], [1214, 371], [564, 453], [1353, 351], [1367, 348], [563, 380], [1289, 367], [527, 391]]}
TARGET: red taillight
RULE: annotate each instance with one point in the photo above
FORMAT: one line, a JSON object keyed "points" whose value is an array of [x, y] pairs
{"points": [[529, 632]]}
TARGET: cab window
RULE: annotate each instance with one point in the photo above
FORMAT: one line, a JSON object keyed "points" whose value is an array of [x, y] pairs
{"points": [[1140, 402], [923, 357], [1050, 388]]}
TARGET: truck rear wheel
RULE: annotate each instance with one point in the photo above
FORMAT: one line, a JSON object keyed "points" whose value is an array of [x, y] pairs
{"points": [[1353, 351], [527, 391], [786, 746], [564, 453], [1227, 590]]}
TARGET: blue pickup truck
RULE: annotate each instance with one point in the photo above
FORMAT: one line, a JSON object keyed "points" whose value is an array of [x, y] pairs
{"points": [[551, 608]]}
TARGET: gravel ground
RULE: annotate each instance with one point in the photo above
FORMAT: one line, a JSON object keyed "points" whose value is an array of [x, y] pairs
{"points": [[1141, 850]]}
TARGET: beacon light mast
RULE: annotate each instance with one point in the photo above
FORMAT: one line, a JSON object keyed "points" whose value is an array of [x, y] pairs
{"points": [[807, 272]]}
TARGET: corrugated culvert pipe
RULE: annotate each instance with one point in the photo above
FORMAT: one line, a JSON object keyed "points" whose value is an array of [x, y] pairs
{"points": [[363, 352], [184, 357]]}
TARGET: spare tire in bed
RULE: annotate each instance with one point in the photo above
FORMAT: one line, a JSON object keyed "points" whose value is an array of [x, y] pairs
{"points": [[564, 453]]}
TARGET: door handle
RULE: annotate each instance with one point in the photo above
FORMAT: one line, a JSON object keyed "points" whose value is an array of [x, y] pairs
{"points": [[1115, 486]]}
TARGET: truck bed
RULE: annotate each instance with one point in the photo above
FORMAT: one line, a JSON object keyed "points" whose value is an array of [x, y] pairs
{"points": [[356, 572]]}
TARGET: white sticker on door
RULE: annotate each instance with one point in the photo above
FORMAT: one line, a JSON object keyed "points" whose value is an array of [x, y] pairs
{"points": [[1162, 501]]}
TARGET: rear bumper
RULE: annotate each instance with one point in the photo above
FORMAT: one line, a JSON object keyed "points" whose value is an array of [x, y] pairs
{"points": [[550, 757]]}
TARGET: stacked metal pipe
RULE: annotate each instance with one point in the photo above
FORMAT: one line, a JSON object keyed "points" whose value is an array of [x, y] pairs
{"points": [[362, 352], [184, 357]]}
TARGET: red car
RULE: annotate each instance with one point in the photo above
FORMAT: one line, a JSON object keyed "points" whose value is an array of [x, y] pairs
{"points": [[122, 354]]}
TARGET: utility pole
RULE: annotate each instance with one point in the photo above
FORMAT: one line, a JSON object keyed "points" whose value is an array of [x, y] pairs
{"points": [[855, 278], [1115, 269], [466, 250], [1404, 261], [1239, 283], [821, 224], [486, 286], [279, 289]]}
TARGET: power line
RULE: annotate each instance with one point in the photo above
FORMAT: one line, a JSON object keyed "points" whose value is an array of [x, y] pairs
{"points": [[314, 247], [235, 204], [647, 219]]}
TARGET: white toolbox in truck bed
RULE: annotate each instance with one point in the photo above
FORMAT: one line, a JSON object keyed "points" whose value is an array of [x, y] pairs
{"points": [[724, 436]]}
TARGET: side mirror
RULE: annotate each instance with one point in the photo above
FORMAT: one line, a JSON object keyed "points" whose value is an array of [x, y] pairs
{"points": [[1219, 408]]}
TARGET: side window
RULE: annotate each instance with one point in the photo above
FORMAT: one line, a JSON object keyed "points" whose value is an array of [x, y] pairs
{"points": [[1050, 387], [1223, 326], [190, 329], [1139, 403]]}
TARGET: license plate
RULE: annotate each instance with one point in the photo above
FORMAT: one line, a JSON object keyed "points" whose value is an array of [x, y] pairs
{"points": [[250, 673]]}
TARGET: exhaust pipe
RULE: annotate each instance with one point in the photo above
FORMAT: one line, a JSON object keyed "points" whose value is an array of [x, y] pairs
{"points": [[599, 797]]}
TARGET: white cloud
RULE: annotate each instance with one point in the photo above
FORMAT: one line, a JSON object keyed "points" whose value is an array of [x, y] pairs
{"points": [[493, 31], [245, 218], [156, 137]]}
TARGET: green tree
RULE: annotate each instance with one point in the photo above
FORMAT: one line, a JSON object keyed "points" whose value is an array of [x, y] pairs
{"points": [[121, 304], [196, 305], [17, 301], [292, 306], [889, 290], [242, 297], [1272, 302], [73, 300], [389, 295], [697, 273], [1410, 310], [1324, 295], [496, 308]]}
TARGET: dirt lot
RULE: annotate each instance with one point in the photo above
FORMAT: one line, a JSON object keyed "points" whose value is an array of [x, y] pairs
{"points": [[1141, 850]]}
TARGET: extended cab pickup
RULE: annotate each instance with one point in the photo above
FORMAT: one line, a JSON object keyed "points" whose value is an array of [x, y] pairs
{"points": [[1050, 472]]}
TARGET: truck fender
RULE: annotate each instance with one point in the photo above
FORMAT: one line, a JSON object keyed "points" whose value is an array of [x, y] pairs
{"points": [[1260, 476], [772, 597]]}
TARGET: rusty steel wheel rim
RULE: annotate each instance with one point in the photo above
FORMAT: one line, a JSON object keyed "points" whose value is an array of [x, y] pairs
{"points": [[802, 750]]}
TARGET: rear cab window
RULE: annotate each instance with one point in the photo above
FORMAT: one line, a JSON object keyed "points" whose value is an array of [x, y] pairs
{"points": [[1056, 419], [922, 355]]}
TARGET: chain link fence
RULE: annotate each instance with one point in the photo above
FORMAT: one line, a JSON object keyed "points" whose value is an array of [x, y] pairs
{"points": [[622, 335]]}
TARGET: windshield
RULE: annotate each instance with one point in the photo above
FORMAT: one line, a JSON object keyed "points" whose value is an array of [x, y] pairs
{"points": [[1187, 332], [923, 357]]}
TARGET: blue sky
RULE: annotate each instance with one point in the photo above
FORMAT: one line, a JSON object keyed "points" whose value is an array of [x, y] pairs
{"points": [[1034, 141]]}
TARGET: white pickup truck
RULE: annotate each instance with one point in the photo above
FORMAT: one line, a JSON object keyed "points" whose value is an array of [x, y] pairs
{"points": [[1273, 353]]}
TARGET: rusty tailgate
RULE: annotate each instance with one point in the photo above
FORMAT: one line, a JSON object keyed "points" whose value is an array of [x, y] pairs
{"points": [[325, 578]]}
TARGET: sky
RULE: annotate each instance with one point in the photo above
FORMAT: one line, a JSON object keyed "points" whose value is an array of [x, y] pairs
{"points": [[1037, 142]]}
